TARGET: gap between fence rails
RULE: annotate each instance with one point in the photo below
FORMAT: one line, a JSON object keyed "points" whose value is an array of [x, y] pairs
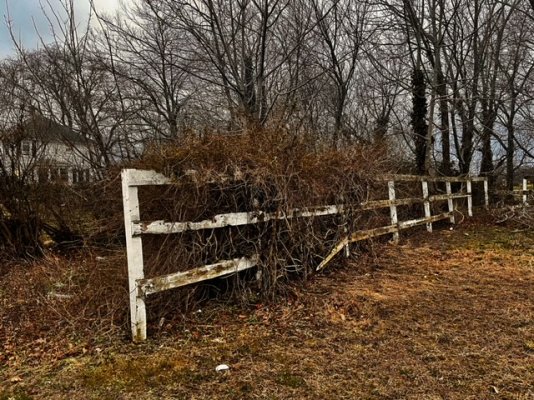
{"points": [[139, 287]]}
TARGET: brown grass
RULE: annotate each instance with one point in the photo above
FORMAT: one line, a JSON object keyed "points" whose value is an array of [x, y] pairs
{"points": [[442, 316]]}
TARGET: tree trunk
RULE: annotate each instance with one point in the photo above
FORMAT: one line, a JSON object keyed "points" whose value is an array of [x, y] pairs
{"points": [[441, 89], [510, 150], [489, 115], [419, 125]]}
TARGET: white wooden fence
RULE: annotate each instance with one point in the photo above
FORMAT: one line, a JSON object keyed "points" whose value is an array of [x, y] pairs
{"points": [[140, 287], [526, 192]]}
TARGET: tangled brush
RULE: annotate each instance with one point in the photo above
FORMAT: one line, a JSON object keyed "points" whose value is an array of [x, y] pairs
{"points": [[267, 171]]}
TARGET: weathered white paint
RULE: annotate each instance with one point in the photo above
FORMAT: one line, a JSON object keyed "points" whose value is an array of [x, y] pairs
{"points": [[486, 194], [420, 178], [134, 249], [439, 197], [206, 272], [525, 191], [371, 233], [140, 287], [426, 202], [231, 219], [254, 217], [393, 209], [469, 198], [139, 177], [450, 201], [347, 247], [420, 221]]}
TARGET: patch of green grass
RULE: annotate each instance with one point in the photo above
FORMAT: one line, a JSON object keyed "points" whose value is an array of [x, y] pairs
{"points": [[291, 380], [135, 373], [15, 396], [529, 346], [494, 238]]}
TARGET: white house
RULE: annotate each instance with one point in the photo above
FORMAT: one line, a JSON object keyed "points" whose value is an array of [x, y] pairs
{"points": [[44, 151]]}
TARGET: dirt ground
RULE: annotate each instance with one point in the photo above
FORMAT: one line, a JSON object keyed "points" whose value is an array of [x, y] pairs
{"points": [[442, 316]]}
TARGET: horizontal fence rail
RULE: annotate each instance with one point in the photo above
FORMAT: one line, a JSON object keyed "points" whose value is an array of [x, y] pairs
{"points": [[524, 194], [140, 287]]}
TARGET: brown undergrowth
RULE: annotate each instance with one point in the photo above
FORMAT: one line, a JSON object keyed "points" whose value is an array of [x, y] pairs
{"points": [[442, 316], [267, 171]]}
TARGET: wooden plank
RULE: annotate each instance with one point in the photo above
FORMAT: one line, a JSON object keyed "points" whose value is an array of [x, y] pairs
{"points": [[477, 178], [422, 221], [356, 237], [393, 209], [424, 185], [171, 281], [469, 198], [134, 251], [138, 177], [337, 248], [420, 178], [347, 247], [515, 191], [231, 219], [371, 233], [450, 200], [377, 204], [254, 217], [149, 177], [384, 230], [440, 197]]}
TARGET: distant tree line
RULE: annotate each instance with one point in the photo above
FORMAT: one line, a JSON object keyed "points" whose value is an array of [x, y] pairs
{"points": [[449, 82]]}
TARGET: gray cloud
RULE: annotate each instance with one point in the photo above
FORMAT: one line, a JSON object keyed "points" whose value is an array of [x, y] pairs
{"points": [[29, 22]]}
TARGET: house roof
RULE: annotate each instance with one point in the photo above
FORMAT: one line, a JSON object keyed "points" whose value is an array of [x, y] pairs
{"points": [[45, 129]]}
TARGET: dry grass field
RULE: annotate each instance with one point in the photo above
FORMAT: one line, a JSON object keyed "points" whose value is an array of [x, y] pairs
{"points": [[442, 316]]}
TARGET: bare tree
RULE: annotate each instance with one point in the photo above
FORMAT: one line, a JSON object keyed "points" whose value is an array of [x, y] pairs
{"points": [[342, 30], [70, 85], [146, 52]]}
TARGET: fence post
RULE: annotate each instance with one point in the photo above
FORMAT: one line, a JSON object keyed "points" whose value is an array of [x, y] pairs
{"points": [[426, 200], [486, 193], [525, 188], [393, 209], [134, 248], [469, 198], [347, 248], [450, 201]]}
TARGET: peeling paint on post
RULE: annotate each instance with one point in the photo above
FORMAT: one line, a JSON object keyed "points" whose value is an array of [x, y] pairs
{"points": [[469, 198], [424, 185], [450, 201], [134, 249], [347, 248], [393, 209]]}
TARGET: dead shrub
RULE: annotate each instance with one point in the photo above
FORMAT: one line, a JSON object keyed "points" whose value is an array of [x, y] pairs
{"points": [[267, 171]]}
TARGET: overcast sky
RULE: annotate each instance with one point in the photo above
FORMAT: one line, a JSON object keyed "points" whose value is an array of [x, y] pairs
{"points": [[26, 15]]}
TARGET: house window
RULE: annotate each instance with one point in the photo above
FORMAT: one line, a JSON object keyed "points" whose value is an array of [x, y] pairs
{"points": [[63, 174], [80, 176], [42, 173], [54, 175]]}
